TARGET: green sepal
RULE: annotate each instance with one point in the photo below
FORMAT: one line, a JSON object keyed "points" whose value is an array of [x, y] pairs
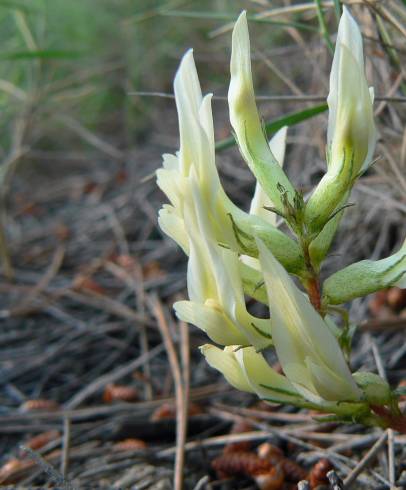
{"points": [[287, 251], [267, 171], [328, 195], [375, 389], [253, 283], [319, 247]]}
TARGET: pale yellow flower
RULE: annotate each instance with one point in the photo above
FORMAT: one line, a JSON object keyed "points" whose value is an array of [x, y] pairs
{"points": [[351, 130], [195, 162], [247, 370], [246, 122], [308, 351], [217, 303]]}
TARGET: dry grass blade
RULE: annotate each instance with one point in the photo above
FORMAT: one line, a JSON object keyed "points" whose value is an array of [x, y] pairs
{"points": [[181, 409], [390, 439], [185, 358], [52, 473], [270, 13], [99, 383], [66, 441], [218, 441], [42, 284], [392, 19], [90, 137], [351, 477]]}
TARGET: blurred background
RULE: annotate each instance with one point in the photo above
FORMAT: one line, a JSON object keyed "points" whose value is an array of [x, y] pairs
{"points": [[86, 111]]}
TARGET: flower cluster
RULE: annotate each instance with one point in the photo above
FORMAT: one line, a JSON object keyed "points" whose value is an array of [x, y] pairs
{"points": [[233, 253]]}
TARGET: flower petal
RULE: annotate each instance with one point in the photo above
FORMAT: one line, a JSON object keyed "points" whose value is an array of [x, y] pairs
{"points": [[226, 362], [173, 226], [266, 382], [211, 320], [299, 333], [188, 97]]}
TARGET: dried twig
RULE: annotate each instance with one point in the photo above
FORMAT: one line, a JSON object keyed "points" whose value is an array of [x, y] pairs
{"points": [[181, 411], [391, 450], [52, 473], [65, 446], [102, 381], [351, 477]]}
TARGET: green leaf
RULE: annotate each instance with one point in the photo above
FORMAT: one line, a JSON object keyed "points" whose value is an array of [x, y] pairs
{"points": [[365, 277], [273, 126]]}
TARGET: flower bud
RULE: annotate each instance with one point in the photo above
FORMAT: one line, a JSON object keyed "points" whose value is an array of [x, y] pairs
{"points": [[351, 129], [375, 389], [246, 122], [366, 277]]}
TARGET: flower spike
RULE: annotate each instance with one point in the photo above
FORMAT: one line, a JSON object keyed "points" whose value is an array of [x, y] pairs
{"points": [[233, 254]]}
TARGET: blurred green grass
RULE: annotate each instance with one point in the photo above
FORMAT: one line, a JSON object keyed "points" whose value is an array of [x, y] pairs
{"points": [[82, 58], [67, 69]]}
